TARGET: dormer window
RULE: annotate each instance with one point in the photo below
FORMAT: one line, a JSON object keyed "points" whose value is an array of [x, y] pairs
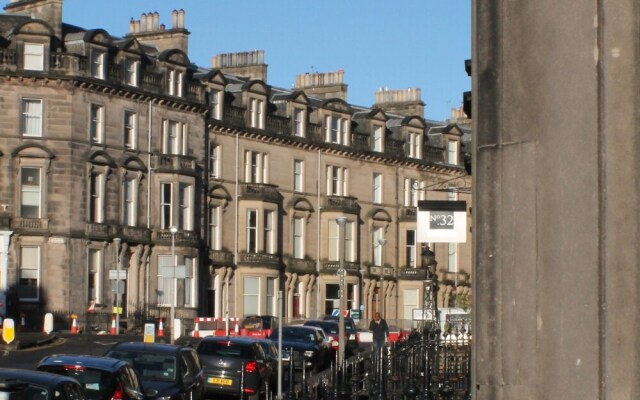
{"points": [[33, 57], [452, 152], [336, 129], [414, 145], [175, 83], [131, 72], [256, 113], [299, 122], [98, 64], [376, 137]]}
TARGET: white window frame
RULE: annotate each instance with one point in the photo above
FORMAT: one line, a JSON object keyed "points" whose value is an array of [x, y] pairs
{"points": [[298, 230], [452, 152], [186, 287], [410, 300], [96, 123], [270, 293], [251, 295], [256, 113], [97, 182], [28, 191], [252, 231], [214, 227], [377, 138], [31, 121], [94, 273], [377, 234], [130, 201], [415, 145], [298, 176], [131, 68], [256, 167], [214, 160], [177, 144], [336, 129], [377, 188], [269, 236], [166, 205], [299, 122], [185, 206], [413, 191], [33, 57], [215, 97], [333, 238], [337, 180], [130, 128], [166, 284], [98, 63], [411, 255], [30, 272]]}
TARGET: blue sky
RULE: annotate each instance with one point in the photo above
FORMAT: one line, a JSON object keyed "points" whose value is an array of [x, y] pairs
{"points": [[395, 44]]}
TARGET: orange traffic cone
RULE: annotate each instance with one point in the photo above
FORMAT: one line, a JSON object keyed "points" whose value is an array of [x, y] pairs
{"points": [[113, 325], [160, 329], [74, 324], [237, 328], [196, 330]]}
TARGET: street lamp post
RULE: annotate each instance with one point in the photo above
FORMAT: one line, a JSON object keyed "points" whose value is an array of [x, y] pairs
{"points": [[342, 221], [381, 243], [362, 293], [172, 314], [116, 242]]}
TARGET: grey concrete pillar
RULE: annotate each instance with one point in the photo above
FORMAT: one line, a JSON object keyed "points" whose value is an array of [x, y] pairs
{"points": [[556, 111]]}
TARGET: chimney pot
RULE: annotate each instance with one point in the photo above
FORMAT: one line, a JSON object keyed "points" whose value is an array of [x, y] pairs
{"points": [[174, 19], [132, 25], [143, 22]]}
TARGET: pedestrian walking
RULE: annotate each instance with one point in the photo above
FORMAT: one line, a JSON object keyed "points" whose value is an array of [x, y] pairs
{"points": [[380, 331]]}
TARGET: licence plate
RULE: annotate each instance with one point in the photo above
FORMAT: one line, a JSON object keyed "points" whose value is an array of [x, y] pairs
{"points": [[220, 381]]}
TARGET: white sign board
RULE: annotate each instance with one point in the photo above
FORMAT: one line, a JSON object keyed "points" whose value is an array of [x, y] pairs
{"points": [[149, 333], [48, 323], [421, 315], [118, 274], [442, 221]]}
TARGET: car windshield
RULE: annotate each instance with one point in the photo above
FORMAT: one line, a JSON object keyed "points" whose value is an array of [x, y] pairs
{"points": [[34, 392], [225, 349], [94, 382], [157, 367], [296, 335], [327, 327]]}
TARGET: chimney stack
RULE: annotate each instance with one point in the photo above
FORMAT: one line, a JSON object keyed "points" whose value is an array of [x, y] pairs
{"points": [[248, 64], [407, 102], [325, 85], [148, 30]]}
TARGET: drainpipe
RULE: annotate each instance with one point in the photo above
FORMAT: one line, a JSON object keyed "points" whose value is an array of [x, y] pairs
{"points": [[149, 173], [235, 240], [319, 175]]}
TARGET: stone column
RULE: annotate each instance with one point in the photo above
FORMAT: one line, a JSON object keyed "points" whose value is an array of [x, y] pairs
{"points": [[556, 108]]}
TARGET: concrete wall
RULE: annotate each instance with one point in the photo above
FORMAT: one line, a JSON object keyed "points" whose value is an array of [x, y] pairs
{"points": [[556, 112]]}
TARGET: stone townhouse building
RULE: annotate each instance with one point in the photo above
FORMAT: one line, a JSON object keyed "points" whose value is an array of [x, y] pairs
{"points": [[206, 187]]}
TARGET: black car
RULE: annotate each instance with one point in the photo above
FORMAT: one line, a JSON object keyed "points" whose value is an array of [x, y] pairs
{"points": [[103, 378], [308, 344], [351, 331], [36, 385], [230, 361], [174, 371]]}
